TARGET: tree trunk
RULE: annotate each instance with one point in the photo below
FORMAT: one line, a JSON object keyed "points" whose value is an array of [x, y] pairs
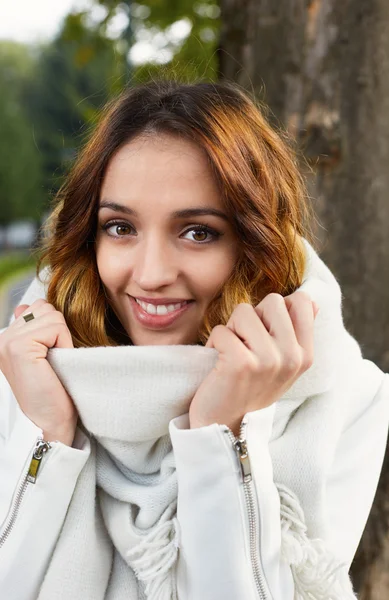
{"points": [[323, 68]]}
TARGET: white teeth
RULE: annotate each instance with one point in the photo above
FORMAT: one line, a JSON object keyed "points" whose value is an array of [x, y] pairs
{"points": [[160, 309], [151, 309]]}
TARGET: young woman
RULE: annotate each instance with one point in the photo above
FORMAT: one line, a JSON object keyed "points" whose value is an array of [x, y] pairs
{"points": [[183, 414]]}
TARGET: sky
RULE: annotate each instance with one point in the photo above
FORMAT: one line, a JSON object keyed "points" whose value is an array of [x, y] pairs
{"points": [[31, 21], [34, 20]]}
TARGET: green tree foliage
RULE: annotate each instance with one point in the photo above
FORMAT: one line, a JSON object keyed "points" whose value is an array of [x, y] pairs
{"points": [[20, 161], [78, 72], [197, 56], [89, 61], [160, 22], [52, 94]]}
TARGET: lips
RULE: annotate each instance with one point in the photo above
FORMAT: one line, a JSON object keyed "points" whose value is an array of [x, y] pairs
{"points": [[158, 301], [157, 321], [146, 305]]}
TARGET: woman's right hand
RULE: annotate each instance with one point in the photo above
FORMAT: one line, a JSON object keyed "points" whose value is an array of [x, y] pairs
{"points": [[23, 361]]}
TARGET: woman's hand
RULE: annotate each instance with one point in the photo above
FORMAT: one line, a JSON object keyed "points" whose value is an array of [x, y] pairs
{"points": [[23, 361], [262, 351]]}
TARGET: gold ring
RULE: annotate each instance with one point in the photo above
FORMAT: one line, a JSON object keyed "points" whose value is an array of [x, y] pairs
{"points": [[28, 317]]}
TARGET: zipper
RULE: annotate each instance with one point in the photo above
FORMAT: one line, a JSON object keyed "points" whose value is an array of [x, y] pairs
{"points": [[40, 448], [240, 446]]}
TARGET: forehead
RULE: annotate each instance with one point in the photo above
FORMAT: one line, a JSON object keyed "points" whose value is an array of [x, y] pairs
{"points": [[160, 164], [160, 155]]}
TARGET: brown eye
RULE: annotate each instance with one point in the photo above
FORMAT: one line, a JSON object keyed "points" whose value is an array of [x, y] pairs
{"points": [[121, 229], [116, 230], [206, 233], [203, 235]]}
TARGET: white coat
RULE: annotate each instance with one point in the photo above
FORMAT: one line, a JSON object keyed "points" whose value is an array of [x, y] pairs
{"points": [[325, 440]]}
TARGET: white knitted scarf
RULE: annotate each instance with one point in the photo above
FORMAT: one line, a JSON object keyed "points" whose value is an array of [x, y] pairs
{"points": [[121, 543]]}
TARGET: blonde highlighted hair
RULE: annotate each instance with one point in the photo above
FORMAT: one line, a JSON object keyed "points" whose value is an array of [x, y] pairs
{"points": [[259, 182]]}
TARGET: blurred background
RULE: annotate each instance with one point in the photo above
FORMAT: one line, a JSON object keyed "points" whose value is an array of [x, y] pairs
{"points": [[322, 66], [59, 64]]}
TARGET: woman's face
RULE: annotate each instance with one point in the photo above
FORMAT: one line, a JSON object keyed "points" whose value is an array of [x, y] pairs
{"points": [[146, 249]]}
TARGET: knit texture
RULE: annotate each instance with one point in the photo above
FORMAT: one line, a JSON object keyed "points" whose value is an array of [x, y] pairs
{"points": [[125, 397], [120, 537]]}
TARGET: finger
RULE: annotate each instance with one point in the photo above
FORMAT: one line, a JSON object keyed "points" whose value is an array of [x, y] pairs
{"points": [[229, 346], [37, 308], [247, 325], [52, 335], [20, 309], [275, 316], [301, 313], [48, 328], [26, 308]]}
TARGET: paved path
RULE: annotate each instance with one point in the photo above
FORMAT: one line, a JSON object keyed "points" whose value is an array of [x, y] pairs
{"points": [[11, 294]]}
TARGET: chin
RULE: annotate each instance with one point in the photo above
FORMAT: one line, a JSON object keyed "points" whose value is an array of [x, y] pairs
{"points": [[162, 339]]}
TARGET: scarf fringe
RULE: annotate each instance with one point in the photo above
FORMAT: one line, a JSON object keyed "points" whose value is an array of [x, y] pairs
{"points": [[317, 574], [153, 558]]}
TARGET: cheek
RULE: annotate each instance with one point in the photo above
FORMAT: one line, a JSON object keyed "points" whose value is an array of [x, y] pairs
{"points": [[111, 267], [213, 274]]}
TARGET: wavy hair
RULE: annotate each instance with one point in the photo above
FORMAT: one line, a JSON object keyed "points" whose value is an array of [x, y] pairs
{"points": [[259, 181]]}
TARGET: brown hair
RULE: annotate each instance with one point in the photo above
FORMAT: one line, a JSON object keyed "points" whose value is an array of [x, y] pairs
{"points": [[259, 181]]}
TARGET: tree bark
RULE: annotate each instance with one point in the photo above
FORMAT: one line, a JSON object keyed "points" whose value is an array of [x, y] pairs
{"points": [[323, 68]]}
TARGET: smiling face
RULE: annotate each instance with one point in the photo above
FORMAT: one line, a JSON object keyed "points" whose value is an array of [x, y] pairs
{"points": [[144, 250]]}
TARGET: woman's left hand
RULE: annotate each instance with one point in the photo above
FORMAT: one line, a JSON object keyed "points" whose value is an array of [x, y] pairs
{"points": [[262, 351]]}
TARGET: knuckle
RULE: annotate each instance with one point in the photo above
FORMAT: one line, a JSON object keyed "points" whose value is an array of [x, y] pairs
{"points": [[300, 296], [247, 365], [303, 295], [38, 308], [60, 324], [216, 333], [37, 303], [270, 364], [275, 298], [307, 361], [59, 315], [218, 329], [272, 301], [243, 307], [291, 363], [54, 316], [48, 309]]}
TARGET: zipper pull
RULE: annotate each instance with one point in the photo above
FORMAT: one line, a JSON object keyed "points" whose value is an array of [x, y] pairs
{"points": [[40, 449], [243, 455]]}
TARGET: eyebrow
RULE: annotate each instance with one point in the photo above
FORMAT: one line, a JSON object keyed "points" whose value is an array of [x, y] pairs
{"points": [[177, 214]]}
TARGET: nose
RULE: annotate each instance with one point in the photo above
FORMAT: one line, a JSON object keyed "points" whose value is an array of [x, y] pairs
{"points": [[155, 264]]}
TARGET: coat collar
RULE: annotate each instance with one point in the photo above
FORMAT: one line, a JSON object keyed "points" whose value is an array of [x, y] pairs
{"points": [[149, 365]]}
